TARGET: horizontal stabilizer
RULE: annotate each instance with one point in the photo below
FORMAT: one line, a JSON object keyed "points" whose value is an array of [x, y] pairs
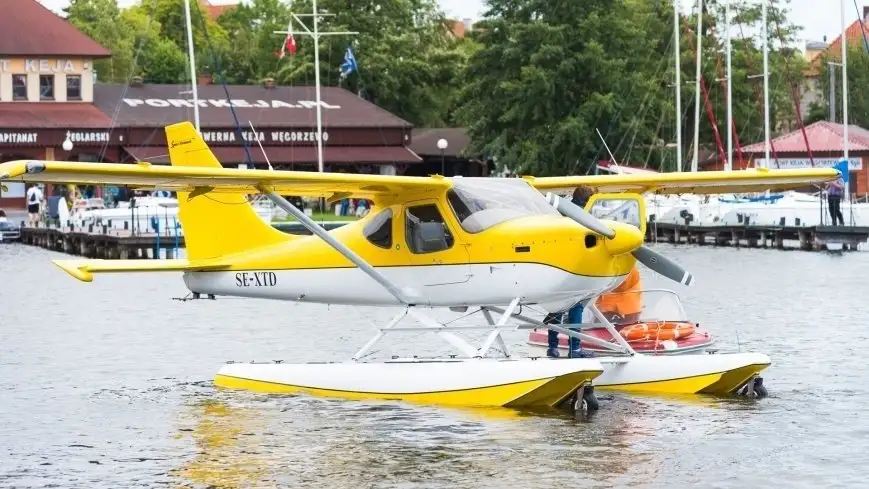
{"points": [[84, 269]]}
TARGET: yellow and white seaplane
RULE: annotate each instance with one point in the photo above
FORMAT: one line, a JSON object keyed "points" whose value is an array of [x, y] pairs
{"points": [[489, 245]]}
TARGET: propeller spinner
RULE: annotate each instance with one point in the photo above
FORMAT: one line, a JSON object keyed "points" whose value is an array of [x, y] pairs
{"points": [[645, 255]]}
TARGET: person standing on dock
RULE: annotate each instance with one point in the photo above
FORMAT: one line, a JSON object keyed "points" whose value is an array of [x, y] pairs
{"points": [[34, 201], [835, 189], [574, 314]]}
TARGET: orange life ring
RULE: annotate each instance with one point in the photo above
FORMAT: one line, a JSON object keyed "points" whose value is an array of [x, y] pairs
{"points": [[657, 331]]}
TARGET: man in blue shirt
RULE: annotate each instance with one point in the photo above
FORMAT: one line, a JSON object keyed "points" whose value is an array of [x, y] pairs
{"points": [[574, 314]]}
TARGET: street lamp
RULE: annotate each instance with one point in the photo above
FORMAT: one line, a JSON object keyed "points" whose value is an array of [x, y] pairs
{"points": [[67, 144], [442, 145]]}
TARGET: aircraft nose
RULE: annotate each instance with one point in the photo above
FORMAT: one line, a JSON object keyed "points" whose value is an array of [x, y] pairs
{"points": [[627, 238]]}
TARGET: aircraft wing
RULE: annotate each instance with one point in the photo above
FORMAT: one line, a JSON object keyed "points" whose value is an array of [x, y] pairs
{"points": [[704, 182], [145, 176]]}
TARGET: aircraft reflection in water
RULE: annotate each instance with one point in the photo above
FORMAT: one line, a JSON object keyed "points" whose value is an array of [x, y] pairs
{"points": [[310, 443], [227, 441]]}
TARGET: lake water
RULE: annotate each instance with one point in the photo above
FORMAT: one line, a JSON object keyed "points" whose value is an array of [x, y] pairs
{"points": [[108, 385]]}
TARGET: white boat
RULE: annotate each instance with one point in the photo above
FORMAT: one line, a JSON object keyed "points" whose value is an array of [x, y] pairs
{"points": [[146, 214]]}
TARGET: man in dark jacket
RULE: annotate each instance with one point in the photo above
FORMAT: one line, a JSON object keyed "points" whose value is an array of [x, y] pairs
{"points": [[574, 315]]}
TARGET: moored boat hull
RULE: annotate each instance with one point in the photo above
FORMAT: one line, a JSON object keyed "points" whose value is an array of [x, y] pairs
{"points": [[523, 383]]}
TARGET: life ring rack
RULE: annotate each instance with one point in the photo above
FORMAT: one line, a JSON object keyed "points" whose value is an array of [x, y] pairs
{"points": [[658, 331]]}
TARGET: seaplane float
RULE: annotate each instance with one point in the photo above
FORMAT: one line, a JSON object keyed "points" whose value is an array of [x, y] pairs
{"points": [[491, 246]]}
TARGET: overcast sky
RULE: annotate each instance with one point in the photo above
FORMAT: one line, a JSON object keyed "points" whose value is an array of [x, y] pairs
{"points": [[817, 17]]}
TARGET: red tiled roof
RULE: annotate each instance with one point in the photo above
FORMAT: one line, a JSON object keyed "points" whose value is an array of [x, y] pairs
{"points": [[822, 135], [425, 141], [27, 28], [854, 35], [46, 115], [215, 11], [137, 112], [231, 155]]}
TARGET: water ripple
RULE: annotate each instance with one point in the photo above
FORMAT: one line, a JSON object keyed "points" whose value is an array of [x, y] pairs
{"points": [[108, 385]]}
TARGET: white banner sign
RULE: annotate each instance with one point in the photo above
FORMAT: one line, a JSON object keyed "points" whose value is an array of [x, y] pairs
{"points": [[274, 137], [224, 103], [88, 136], [854, 164], [18, 137]]}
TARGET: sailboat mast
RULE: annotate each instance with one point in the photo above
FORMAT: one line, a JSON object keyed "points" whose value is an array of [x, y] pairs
{"points": [[763, 14], [697, 89], [193, 80], [678, 87], [316, 37], [729, 87], [845, 93]]}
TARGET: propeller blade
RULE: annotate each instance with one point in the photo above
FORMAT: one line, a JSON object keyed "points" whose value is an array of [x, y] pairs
{"points": [[580, 215], [663, 265]]}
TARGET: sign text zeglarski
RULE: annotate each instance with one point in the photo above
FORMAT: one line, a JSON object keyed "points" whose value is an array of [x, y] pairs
{"points": [[224, 103]]}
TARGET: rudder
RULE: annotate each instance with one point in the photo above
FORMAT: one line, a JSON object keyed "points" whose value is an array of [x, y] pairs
{"points": [[218, 224]]}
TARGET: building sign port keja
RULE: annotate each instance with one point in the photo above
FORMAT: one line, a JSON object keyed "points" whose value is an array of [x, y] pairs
{"points": [[224, 103]]}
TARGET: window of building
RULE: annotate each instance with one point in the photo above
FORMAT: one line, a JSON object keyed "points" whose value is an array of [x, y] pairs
{"points": [[426, 230], [73, 87], [379, 230], [46, 87], [19, 87]]}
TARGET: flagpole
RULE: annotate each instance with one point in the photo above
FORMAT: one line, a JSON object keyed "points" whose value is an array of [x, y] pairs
{"points": [[765, 82], [315, 34], [844, 43], [697, 88], [678, 87], [729, 87], [317, 88], [193, 80]]}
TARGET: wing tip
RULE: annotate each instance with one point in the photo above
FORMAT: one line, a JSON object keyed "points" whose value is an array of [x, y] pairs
{"points": [[76, 269]]}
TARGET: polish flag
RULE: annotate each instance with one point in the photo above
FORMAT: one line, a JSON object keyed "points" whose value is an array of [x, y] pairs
{"points": [[288, 46]]}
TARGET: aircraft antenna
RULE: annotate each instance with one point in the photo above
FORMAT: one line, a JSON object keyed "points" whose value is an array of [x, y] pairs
{"points": [[256, 136], [613, 158]]}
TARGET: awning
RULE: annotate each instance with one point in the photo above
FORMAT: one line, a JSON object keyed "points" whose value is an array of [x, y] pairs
{"points": [[285, 155]]}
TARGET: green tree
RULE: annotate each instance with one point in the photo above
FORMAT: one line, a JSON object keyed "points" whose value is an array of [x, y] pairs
{"points": [[252, 30], [549, 73], [408, 62], [102, 21], [858, 77]]}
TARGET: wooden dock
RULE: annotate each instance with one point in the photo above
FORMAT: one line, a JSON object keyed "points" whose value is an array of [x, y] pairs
{"points": [[108, 243], [808, 238]]}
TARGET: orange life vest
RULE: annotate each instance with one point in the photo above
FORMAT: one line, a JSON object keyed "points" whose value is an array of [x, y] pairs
{"points": [[625, 299]]}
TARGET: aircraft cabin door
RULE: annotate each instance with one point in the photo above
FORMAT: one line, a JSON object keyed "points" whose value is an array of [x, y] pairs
{"points": [[440, 259]]}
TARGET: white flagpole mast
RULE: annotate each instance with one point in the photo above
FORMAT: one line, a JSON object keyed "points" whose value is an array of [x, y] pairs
{"points": [[697, 94], [315, 34], [845, 95], [193, 80], [678, 87], [765, 82], [729, 87]]}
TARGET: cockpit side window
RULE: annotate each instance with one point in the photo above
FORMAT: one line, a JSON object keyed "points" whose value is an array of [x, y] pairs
{"points": [[379, 230], [426, 231]]}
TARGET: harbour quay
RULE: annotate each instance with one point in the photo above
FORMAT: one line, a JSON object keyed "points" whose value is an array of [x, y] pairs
{"points": [[806, 238], [106, 242]]}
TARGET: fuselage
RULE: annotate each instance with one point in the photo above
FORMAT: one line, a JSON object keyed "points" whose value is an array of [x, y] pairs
{"points": [[458, 249]]}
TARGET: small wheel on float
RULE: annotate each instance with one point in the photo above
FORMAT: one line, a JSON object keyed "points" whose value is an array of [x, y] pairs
{"points": [[585, 403], [754, 389], [760, 391]]}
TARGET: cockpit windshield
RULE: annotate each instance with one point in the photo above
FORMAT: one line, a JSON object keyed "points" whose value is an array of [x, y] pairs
{"points": [[480, 203]]}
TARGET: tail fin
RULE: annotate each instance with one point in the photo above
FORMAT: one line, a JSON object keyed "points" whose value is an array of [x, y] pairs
{"points": [[214, 225]]}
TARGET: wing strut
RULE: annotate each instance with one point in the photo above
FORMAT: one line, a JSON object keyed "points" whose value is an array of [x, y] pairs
{"points": [[404, 296]]}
